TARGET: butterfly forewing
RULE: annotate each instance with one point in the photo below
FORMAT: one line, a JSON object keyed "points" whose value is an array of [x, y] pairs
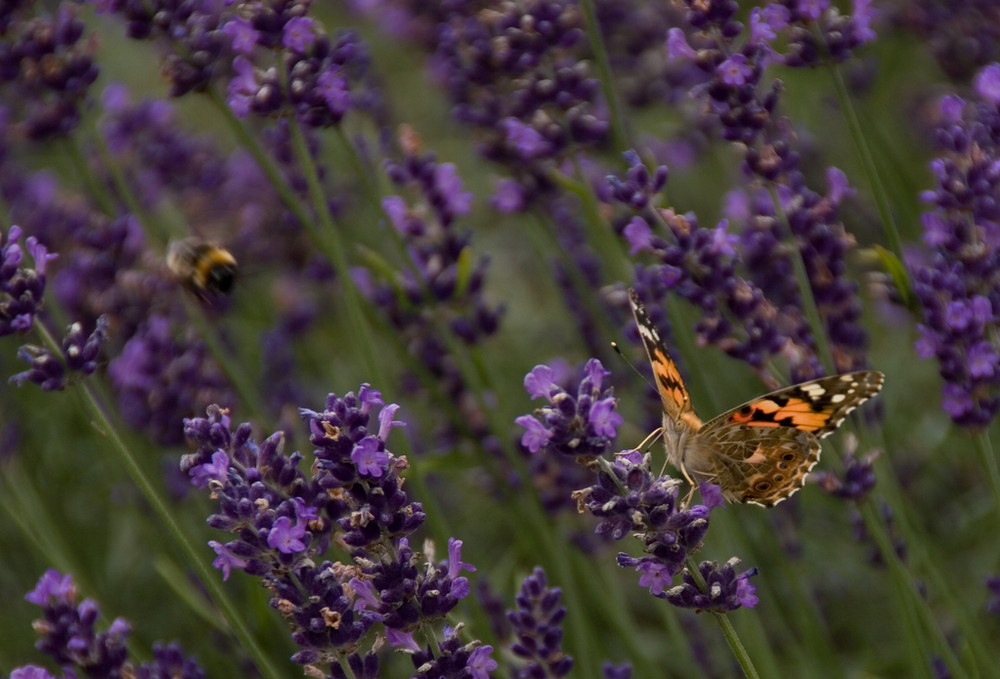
{"points": [[673, 393], [818, 406]]}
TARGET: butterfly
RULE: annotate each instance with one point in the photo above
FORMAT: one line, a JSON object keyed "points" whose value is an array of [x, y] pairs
{"points": [[761, 451]]}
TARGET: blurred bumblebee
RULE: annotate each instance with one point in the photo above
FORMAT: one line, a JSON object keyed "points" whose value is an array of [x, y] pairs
{"points": [[202, 267]]}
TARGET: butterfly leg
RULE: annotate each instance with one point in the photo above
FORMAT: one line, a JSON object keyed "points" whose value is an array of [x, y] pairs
{"points": [[646, 442], [692, 486]]}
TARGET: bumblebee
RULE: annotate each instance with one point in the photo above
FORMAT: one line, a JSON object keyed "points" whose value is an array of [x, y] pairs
{"points": [[202, 267]]}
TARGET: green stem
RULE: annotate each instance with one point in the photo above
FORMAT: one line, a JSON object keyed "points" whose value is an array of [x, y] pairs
{"points": [[543, 240], [901, 276], [805, 291], [97, 189], [197, 559], [618, 131], [266, 163], [227, 361], [911, 600], [599, 234], [989, 461], [327, 237], [732, 638]]}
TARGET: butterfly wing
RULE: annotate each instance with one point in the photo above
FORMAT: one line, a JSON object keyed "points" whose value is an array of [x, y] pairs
{"points": [[673, 393], [761, 451]]}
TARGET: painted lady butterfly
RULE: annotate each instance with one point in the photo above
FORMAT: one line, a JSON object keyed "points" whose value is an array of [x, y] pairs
{"points": [[761, 451]]}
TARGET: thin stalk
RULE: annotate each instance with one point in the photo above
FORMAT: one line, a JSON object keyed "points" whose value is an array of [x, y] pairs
{"points": [[97, 189], [911, 598], [989, 461], [373, 194], [232, 368], [806, 292], [732, 638], [919, 546], [327, 237], [599, 234], [346, 667], [266, 163], [874, 179], [543, 240], [208, 576], [619, 133]]}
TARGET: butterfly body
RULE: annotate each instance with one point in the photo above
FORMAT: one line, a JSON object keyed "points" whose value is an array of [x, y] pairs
{"points": [[759, 452]]}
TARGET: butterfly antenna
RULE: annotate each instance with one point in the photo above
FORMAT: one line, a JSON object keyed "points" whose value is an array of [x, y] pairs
{"points": [[618, 350]]}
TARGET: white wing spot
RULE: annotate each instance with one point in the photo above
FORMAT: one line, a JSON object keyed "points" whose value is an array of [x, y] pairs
{"points": [[837, 398]]}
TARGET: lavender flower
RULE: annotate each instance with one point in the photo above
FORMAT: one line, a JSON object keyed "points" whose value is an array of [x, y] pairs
{"points": [[517, 75], [583, 426], [79, 354], [48, 69], [626, 496], [68, 634], [726, 590], [454, 659], [858, 478], [193, 36], [957, 284], [160, 378], [537, 624], [21, 288], [993, 585], [818, 33], [962, 37], [703, 266], [284, 521], [612, 671]]}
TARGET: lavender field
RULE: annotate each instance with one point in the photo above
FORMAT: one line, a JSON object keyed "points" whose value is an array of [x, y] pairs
{"points": [[469, 339]]}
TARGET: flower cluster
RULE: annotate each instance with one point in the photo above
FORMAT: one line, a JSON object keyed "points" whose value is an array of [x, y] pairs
{"points": [[440, 287], [746, 110], [21, 287], [629, 499], [537, 624], [993, 585], [724, 589], [958, 281], [79, 354], [583, 426], [159, 378], [818, 33], [284, 521], [626, 497], [69, 636], [48, 68], [962, 37], [517, 74], [701, 266], [453, 659], [325, 74], [858, 477], [192, 34]]}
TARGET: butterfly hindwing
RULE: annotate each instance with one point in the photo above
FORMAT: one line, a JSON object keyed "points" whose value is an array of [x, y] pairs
{"points": [[761, 451]]}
